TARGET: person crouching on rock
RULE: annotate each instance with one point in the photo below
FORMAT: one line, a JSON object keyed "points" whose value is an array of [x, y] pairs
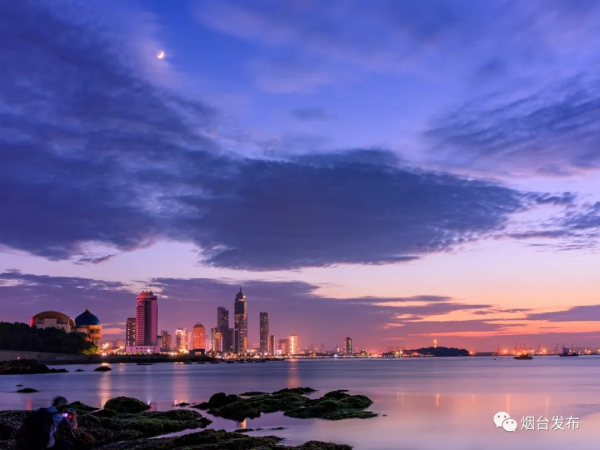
{"points": [[63, 419]]}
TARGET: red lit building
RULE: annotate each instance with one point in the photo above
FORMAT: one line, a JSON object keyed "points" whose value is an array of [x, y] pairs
{"points": [[146, 319]]}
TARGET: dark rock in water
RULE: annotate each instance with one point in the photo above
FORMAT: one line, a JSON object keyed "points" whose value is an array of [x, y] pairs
{"points": [[80, 370], [126, 405], [335, 405], [19, 385], [26, 367], [81, 407], [218, 400], [252, 394], [102, 369], [27, 390], [336, 395], [298, 390], [182, 404]]}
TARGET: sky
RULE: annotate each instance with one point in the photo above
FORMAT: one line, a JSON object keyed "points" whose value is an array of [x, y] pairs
{"points": [[397, 172]]}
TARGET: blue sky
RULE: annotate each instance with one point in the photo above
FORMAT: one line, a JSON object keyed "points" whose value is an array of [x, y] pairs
{"points": [[405, 171]]}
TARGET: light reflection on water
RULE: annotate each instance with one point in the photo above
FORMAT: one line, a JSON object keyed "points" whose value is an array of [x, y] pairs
{"points": [[428, 403]]}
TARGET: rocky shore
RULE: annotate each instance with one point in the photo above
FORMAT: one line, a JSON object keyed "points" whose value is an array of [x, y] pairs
{"points": [[124, 423]]}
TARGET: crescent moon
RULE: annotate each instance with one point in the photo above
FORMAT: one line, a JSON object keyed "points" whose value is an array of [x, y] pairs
{"points": [[160, 55]]}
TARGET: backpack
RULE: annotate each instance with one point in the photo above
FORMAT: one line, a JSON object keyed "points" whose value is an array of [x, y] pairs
{"points": [[35, 431]]}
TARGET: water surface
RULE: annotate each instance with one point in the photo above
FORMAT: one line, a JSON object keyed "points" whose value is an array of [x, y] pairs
{"points": [[423, 403]]}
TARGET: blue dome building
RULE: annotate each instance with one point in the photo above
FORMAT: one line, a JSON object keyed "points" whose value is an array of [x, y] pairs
{"points": [[88, 324], [86, 318]]}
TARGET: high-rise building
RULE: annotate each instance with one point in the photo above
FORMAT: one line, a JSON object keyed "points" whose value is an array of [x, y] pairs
{"points": [[264, 332], [165, 341], [216, 340], [181, 340], [272, 345], [198, 337], [222, 317], [146, 319], [240, 340], [226, 332], [284, 346], [130, 332], [293, 350], [348, 345]]}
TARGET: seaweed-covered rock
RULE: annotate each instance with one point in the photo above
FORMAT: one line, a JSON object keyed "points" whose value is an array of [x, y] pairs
{"points": [[132, 432], [336, 395], [317, 445], [334, 405], [10, 422], [298, 390], [105, 413], [27, 391], [253, 394], [26, 367], [105, 428], [126, 405], [81, 407], [102, 369], [217, 440]]}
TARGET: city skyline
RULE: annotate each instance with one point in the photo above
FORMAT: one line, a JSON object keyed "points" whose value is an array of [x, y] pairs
{"points": [[376, 188]]}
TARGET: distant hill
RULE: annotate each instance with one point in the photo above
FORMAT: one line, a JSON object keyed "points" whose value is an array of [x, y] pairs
{"points": [[20, 336], [441, 351]]}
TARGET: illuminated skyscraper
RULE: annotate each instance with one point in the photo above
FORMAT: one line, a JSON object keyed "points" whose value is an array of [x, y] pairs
{"points": [[264, 332], [226, 332], [284, 346], [216, 340], [293, 344], [146, 319], [181, 340], [130, 332], [198, 337], [240, 340], [272, 345], [165, 341], [222, 317], [348, 345]]}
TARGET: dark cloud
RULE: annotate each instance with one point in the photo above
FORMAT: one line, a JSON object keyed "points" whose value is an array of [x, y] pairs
{"points": [[308, 114], [553, 131], [94, 154], [588, 313], [584, 219], [354, 207]]}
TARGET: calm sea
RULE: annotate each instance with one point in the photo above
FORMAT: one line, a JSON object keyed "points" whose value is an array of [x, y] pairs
{"points": [[423, 403]]}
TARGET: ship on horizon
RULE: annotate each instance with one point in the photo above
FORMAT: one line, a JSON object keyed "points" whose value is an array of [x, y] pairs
{"points": [[567, 352]]}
